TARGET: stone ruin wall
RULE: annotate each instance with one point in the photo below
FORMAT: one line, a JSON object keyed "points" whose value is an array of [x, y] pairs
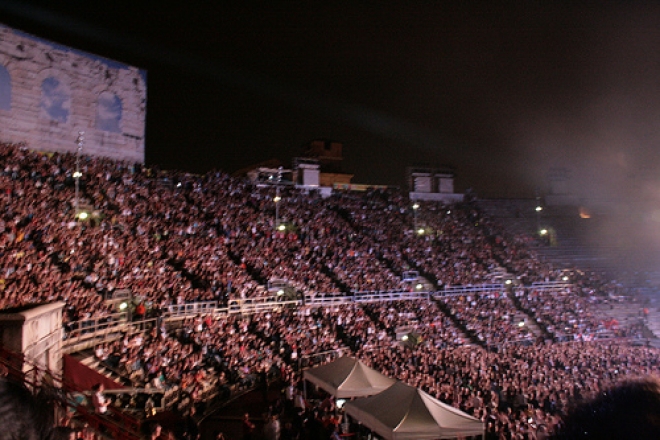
{"points": [[48, 93]]}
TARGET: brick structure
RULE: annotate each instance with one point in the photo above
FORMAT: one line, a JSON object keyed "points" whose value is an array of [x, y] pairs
{"points": [[49, 92]]}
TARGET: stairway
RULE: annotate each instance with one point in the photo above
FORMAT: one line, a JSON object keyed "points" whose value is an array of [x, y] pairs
{"points": [[653, 320], [571, 240], [88, 359]]}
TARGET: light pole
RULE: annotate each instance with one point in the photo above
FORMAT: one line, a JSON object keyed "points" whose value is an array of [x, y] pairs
{"points": [[538, 210], [415, 208], [277, 199], [77, 174]]}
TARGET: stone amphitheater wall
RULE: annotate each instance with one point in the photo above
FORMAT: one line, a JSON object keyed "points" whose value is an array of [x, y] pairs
{"points": [[50, 92]]}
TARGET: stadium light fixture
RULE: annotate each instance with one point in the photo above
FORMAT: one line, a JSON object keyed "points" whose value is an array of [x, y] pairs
{"points": [[539, 208], [543, 232]]}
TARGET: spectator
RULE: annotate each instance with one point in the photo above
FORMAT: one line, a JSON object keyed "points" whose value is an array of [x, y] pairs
{"points": [[99, 401], [248, 427]]}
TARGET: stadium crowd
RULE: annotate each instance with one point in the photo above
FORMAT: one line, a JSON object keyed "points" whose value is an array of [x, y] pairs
{"points": [[173, 239]]}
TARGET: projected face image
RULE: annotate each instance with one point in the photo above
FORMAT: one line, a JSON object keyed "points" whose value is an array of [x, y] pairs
{"points": [[108, 112], [55, 100]]}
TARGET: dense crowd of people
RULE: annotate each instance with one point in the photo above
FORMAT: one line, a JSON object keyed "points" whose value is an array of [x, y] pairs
{"points": [[172, 239]]}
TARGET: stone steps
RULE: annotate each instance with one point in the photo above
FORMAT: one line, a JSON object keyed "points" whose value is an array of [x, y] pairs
{"points": [[88, 359]]}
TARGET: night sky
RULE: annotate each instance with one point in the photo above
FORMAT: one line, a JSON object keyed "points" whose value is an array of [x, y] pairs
{"points": [[502, 93]]}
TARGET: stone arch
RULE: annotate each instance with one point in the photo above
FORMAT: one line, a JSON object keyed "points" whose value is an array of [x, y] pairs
{"points": [[5, 88], [55, 101], [109, 108]]}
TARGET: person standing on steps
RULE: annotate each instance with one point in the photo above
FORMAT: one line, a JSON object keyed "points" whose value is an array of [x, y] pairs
{"points": [[248, 428]]}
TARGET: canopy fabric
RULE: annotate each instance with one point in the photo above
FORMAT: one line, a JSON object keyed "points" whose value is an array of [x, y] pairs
{"points": [[347, 377], [403, 412]]}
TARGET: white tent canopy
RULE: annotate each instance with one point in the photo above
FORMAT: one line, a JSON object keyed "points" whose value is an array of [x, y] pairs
{"points": [[347, 377], [403, 412]]}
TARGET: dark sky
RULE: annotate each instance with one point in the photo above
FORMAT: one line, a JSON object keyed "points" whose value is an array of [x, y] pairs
{"points": [[502, 93]]}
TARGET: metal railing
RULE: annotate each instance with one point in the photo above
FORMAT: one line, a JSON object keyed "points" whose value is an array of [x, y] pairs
{"points": [[311, 360], [90, 332], [550, 285], [323, 299], [462, 290], [192, 309], [257, 305], [90, 329], [93, 331], [117, 424], [366, 297]]}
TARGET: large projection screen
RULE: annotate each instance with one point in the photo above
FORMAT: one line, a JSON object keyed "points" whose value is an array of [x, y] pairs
{"points": [[50, 92]]}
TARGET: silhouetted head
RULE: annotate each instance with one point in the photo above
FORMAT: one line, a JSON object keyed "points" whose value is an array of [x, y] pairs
{"points": [[22, 417], [627, 411]]}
